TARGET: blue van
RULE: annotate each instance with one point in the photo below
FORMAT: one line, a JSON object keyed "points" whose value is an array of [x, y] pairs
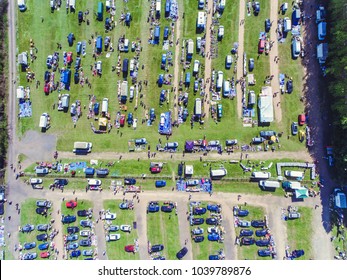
{"points": [[167, 8], [156, 34], [100, 14], [125, 65], [166, 33], [187, 80], [99, 44], [160, 183]]}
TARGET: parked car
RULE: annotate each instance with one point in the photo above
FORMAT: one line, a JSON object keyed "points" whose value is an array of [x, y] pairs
{"points": [[241, 212], [71, 230], [27, 228], [212, 221], [112, 237], [42, 210], [83, 213], [267, 25], [261, 232], [72, 246], [197, 221], [72, 237], [153, 207], [213, 236], [43, 203], [61, 182], [262, 242], [289, 86], [251, 64], [113, 228], [29, 256], [43, 246], [42, 237], [85, 233], [198, 238], [68, 219], [256, 8], [302, 119], [199, 210], [29, 245], [294, 128], [129, 181], [297, 253], [71, 204], [264, 253], [247, 241], [44, 255], [35, 181], [125, 228], [110, 216], [85, 242], [166, 208], [87, 253], [243, 223], [181, 253], [214, 208], [86, 223], [160, 183], [124, 205], [129, 248], [213, 257], [75, 253], [157, 248], [293, 215], [197, 231], [258, 223], [43, 227], [246, 232]]}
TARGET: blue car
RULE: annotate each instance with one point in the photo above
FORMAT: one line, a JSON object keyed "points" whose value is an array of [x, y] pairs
{"points": [[129, 181], [153, 207], [264, 253], [75, 254], [29, 256], [258, 223], [72, 246], [262, 242], [199, 210], [68, 219], [197, 221], [43, 246], [246, 232], [29, 245], [212, 221], [198, 238], [130, 119], [166, 208], [261, 232], [72, 237], [87, 253], [213, 208], [160, 183], [213, 257], [85, 242], [213, 236], [181, 253]]}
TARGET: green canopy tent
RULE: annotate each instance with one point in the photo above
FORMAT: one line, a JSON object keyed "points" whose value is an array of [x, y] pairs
{"points": [[301, 193]]}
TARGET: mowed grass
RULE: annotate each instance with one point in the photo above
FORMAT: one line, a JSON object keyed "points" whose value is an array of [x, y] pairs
{"points": [[251, 252], [162, 228], [299, 232], [115, 249], [29, 216], [81, 205], [202, 250]]}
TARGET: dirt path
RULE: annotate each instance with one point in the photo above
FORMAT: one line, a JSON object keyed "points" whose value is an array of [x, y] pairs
{"points": [[177, 64], [274, 67], [208, 61], [242, 12]]}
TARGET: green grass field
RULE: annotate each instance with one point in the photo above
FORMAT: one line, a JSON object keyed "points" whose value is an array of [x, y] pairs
{"points": [[115, 249], [162, 228]]}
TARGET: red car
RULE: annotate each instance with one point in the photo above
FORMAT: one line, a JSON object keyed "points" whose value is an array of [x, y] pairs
{"points": [[44, 255], [69, 58], [301, 119], [261, 45], [122, 120], [155, 169], [129, 248], [46, 88], [71, 204]]}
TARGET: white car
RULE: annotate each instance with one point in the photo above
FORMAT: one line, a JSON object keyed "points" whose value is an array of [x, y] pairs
{"points": [[131, 92], [162, 119], [85, 233], [110, 216], [112, 237], [221, 31], [94, 182], [35, 181], [125, 228]]}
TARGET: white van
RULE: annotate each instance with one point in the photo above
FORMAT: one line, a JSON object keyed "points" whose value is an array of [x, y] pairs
{"points": [[65, 100], [82, 147], [261, 175], [267, 184], [132, 65], [197, 107], [219, 81], [287, 24], [44, 122], [294, 174], [196, 67], [104, 107], [296, 47], [218, 173]]}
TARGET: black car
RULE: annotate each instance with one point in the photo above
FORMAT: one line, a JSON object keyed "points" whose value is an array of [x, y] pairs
{"points": [[41, 210], [262, 242], [157, 248], [61, 182], [261, 232], [246, 232], [68, 219], [247, 241], [43, 227], [264, 253], [129, 181], [71, 230], [198, 238], [83, 213], [181, 253], [2, 208], [211, 221], [289, 86], [80, 17], [197, 221], [42, 237], [166, 208], [199, 210], [258, 223], [85, 242], [47, 76], [267, 25]]}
